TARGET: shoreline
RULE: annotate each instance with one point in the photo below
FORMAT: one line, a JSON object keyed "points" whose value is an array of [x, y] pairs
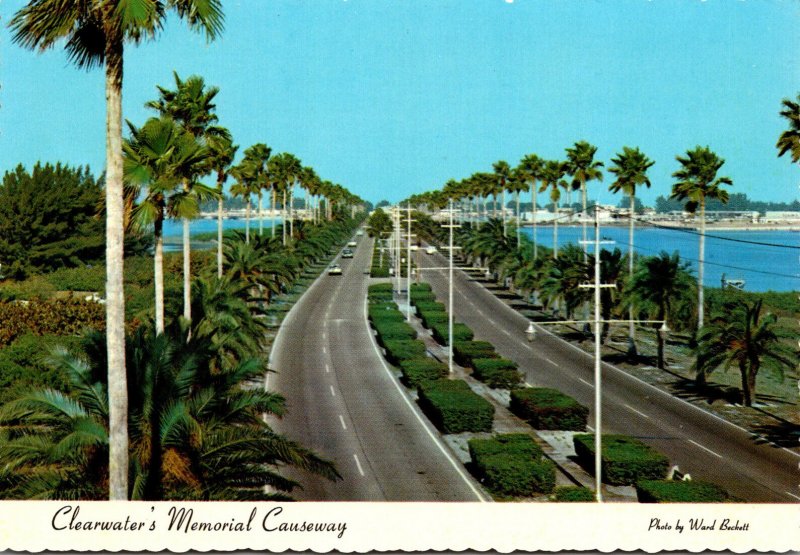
{"points": [[727, 226]]}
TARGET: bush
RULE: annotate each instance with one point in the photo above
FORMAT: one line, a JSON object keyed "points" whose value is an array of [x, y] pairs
{"points": [[57, 317], [454, 408], [418, 370], [548, 409], [497, 373], [422, 296], [678, 491], [380, 292], [465, 351], [625, 460], [400, 350], [23, 367], [429, 318], [574, 494], [512, 464], [430, 306], [379, 272], [389, 330], [415, 287], [379, 288], [461, 332]]}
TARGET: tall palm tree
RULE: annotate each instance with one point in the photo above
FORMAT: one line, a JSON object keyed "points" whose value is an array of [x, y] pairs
{"points": [[191, 104], [552, 178], [530, 169], [698, 181], [739, 335], [257, 157], [159, 156], [245, 177], [502, 172], [95, 33], [658, 285], [630, 167], [583, 168], [222, 151]]}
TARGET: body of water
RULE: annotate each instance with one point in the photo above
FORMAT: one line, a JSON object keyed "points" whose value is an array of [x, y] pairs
{"points": [[763, 267], [174, 228]]}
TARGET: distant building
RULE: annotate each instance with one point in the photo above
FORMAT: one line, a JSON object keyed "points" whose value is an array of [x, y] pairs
{"points": [[781, 216]]}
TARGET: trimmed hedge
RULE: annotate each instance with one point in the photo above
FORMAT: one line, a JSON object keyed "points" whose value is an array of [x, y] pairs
{"points": [[461, 332], [512, 464], [418, 370], [380, 293], [430, 318], [379, 287], [422, 286], [428, 306], [497, 373], [400, 350], [678, 491], [389, 331], [454, 408], [383, 316], [625, 460], [574, 494], [465, 351], [548, 409], [422, 296]]}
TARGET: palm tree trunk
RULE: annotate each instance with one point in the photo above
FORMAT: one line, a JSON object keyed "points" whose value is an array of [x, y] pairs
{"points": [[503, 210], [115, 298], [631, 327], [555, 230], [516, 197], [494, 205], [187, 261], [583, 224], [749, 383], [291, 213], [158, 273], [272, 206], [247, 221], [701, 257], [260, 215], [283, 218], [660, 362], [219, 237], [533, 202]]}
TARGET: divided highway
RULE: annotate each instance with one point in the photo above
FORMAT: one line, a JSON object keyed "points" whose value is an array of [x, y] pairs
{"points": [[697, 441], [344, 403]]}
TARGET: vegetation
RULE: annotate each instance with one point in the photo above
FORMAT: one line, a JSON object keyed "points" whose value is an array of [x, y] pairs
{"points": [[573, 494], [419, 370], [498, 373], [512, 464], [454, 408], [464, 352], [548, 409], [461, 332], [681, 491], [625, 460]]}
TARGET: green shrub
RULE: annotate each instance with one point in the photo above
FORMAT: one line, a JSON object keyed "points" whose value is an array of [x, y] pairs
{"points": [[461, 332], [379, 272], [497, 373], [548, 409], [574, 494], [400, 350], [430, 318], [56, 316], [23, 365], [679, 491], [422, 296], [428, 306], [454, 408], [418, 370], [389, 331], [465, 351], [385, 314], [380, 288], [625, 460], [512, 464]]}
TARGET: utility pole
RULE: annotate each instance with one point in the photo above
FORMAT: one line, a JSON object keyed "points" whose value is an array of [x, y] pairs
{"points": [[451, 226], [408, 264]]}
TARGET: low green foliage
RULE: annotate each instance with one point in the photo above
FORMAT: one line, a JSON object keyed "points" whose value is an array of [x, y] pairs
{"points": [[548, 409], [400, 350], [461, 332], [386, 316], [498, 373], [390, 331], [23, 365], [512, 464], [418, 370], [625, 460], [679, 491], [429, 318], [41, 317], [430, 306], [454, 408], [422, 296], [573, 494], [465, 351], [423, 286]]}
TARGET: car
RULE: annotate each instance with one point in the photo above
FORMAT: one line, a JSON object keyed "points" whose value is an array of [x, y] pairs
{"points": [[414, 247], [334, 270], [347, 253], [430, 250], [352, 244], [359, 233]]}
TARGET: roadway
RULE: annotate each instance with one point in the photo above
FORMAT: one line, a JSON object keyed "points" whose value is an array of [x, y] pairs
{"points": [[699, 442], [345, 404]]}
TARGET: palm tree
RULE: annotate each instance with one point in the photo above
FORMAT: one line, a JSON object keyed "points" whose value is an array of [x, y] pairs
{"points": [[517, 184], [222, 152], [502, 171], [159, 156], [630, 167], [698, 181], [789, 141], [583, 168], [552, 178], [246, 184], [564, 276], [658, 285], [530, 168], [257, 157], [740, 336], [95, 32]]}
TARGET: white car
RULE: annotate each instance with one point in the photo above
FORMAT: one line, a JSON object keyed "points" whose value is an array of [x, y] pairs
{"points": [[334, 270], [430, 250], [352, 244], [414, 247], [360, 232]]}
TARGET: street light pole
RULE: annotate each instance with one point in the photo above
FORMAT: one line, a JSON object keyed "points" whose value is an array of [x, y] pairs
{"points": [[408, 265], [598, 405]]}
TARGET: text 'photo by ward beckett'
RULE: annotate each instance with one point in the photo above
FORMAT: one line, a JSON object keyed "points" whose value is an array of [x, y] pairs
{"points": [[349, 276]]}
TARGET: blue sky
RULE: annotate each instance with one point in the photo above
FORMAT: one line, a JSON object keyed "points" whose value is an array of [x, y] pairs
{"points": [[394, 97]]}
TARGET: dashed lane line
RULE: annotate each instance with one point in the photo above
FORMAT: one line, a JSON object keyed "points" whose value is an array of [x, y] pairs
{"points": [[358, 464], [550, 361], [640, 413], [341, 419], [327, 368], [704, 448], [585, 382], [333, 391], [792, 495]]}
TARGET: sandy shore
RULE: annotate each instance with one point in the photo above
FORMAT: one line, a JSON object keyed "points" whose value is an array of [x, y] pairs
{"points": [[715, 226]]}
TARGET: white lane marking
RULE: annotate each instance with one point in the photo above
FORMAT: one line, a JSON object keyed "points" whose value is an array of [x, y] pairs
{"points": [[589, 428], [327, 368], [341, 419], [422, 422], [704, 448], [507, 333], [358, 464], [324, 350], [550, 361], [324, 336], [793, 495], [640, 413], [584, 381], [333, 392]]}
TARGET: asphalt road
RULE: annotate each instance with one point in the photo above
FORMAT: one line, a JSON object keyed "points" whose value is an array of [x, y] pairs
{"points": [[344, 403], [700, 443]]}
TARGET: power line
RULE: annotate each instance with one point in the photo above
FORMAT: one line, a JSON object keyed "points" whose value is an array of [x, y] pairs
{"points": [[731, 239]]}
